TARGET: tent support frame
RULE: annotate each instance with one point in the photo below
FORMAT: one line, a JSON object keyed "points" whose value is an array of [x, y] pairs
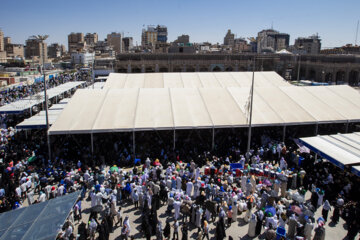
{"points": [[134, 146], [92, 144], [284, 134]]}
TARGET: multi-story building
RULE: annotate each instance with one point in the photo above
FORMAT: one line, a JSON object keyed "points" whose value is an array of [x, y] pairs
{"points": [[7, 40], [35, 48], [76, 42], [149, 37], [2, 47], [128, 44], [229, 39], [55, 50], [241, 45], [115, 40], [91, 39], [161, 33], [182, 40], [271, 40], [310, 45], [83, 58], [14, 50], [102, 48]]}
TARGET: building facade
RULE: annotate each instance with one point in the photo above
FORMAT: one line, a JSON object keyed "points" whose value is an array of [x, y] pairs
{"points": [[91, 39], [84, 58], [2, 46], [309, 45], [182, 40], [36, 48], [15, 50], [271, 40], [55, 50], [128, 44], [76, 42], [115, 40], [229, 39], [149, 37], [161, 33]]}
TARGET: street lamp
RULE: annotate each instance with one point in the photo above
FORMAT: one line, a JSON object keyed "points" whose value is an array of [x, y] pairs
{"points": [[42, 38]]}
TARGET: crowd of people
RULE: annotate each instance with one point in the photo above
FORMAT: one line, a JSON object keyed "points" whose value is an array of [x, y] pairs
{"points": [[12, 94], [274, 189], [265, 189]]}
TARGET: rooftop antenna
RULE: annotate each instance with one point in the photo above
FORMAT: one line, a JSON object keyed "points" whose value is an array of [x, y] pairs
{"points": [[272, 27], [357, 31]]}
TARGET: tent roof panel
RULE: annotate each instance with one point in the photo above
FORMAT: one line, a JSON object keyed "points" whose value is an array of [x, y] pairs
{"points": [[135, 80], [172, 80], [226, 79], [314, 106], [283, 105], [153, 80], [262, 113], [112, 118], [154, 109], [215, 100], [208, 80], [81, 113], [191, 80], [189, 109], [338, 102]]}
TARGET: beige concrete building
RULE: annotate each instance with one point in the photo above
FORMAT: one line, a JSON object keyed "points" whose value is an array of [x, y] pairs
{"points": [[76, 42], [56, 50], [91, 39], [229, 39], [7, 40], [115, 41], [149, 37], [35, 48], [2, 47], [14, 50]]}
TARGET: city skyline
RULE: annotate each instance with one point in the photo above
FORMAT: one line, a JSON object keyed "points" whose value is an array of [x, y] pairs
{"points": [[195, 19]]}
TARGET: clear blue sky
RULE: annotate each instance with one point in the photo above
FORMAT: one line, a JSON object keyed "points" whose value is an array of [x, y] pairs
{"points": [[204, 20]]}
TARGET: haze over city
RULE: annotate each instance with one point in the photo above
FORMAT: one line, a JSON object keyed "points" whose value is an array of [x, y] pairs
{"points": [[334, 21]]}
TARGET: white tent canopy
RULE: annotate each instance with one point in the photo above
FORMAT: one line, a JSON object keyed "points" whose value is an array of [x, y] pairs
{"points": [[340, 149], [26, 103], [193, 80], [138, 109], [39, 120]]}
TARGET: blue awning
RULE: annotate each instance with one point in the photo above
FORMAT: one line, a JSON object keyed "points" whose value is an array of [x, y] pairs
{"points": [[38, 221], [340, 149]]}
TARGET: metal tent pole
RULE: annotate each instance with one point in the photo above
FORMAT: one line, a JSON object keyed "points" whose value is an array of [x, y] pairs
{"points": [[92, 144], [134, 146], [213, 139], [284, 134], [174, 141], [251, 107]]}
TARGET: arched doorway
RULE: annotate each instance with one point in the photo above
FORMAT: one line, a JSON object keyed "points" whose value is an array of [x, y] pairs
{"points": [[136, 70], [177, 69], [216, 69], [229, 69], [149, 69], [340, 77], [163, 69], [312, 75], [190, 69], [354, 78], [328, 78], [122, 70], [203, 69]]}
